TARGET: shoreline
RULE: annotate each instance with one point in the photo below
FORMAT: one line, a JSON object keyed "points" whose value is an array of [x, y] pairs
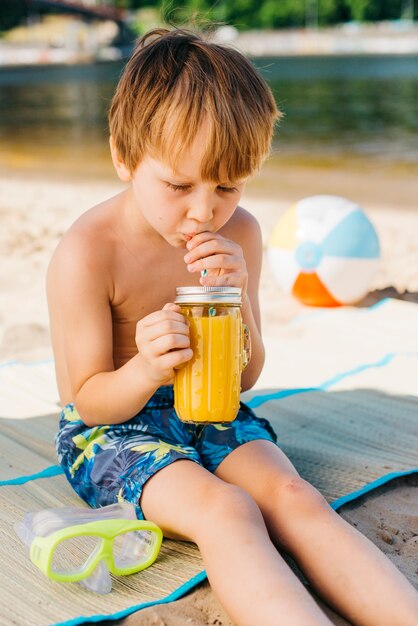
{"points": [[347, 39]]}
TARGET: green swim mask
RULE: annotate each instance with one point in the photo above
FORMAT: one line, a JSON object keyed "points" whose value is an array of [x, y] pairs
{"points": [[84, 545]]}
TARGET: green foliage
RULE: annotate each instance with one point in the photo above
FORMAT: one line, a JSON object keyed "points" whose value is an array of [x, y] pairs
{"points": [[332, 12], [378, 10], [358, 9], [278, 14], [245, 14]]}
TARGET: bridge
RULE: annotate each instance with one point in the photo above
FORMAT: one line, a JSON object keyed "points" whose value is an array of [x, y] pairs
{"points": [[87, 9], [91, 11]]}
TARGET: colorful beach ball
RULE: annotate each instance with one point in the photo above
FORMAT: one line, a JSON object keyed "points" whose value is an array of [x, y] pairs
{"points": [[325, 251]]}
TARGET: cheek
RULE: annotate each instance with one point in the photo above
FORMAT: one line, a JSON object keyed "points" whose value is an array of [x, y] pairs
{"points": [[226, 212], [155, 205], [164, 213]]}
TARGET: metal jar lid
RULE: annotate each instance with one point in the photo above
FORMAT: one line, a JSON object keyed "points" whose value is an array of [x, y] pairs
{"points": [[202, 295]]}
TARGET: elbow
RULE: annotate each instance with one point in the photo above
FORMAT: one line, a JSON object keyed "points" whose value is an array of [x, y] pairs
{"points": [[88, 421], [83, 411], [85, 416], [82, 395]]}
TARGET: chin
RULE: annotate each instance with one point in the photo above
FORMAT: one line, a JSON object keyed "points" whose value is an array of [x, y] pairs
{"points": [[175, 243]]}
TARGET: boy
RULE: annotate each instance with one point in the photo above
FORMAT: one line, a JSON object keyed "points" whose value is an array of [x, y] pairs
{"points": [[190, 122]]}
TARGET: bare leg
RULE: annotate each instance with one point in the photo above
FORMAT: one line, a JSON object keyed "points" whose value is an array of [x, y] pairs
{"points": [[250, 578], [344, 567]]}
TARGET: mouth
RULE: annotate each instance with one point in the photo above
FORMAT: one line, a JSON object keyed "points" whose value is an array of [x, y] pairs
{"points": [[191, 235]]}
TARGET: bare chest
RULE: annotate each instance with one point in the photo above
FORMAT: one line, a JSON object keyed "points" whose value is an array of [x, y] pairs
{"points": [[141, 287]]}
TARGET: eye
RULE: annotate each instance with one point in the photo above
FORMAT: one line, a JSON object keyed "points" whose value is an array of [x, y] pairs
{"points": [[227, 189], [178, 187]]}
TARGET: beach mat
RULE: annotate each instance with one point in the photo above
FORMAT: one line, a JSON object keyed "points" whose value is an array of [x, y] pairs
{"points": [[343, 437]]}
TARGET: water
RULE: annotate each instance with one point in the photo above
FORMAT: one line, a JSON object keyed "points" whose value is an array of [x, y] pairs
{"points": [[353, 106], [366, 105]]}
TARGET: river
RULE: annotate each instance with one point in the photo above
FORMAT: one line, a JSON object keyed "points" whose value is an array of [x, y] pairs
{"points": [[355, 106]]}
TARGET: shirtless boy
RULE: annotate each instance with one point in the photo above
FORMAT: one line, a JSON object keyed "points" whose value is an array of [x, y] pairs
{"points": [[190, 122]]}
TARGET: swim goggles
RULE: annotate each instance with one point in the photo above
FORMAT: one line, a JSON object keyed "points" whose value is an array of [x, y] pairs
{"points": [[84, 545]]}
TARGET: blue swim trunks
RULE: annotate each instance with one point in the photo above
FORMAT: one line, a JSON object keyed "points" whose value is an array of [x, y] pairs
{"points": [[111, 463]]}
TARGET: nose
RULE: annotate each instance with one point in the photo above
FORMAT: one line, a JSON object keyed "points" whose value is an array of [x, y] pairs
{"points": [[201, 207]]}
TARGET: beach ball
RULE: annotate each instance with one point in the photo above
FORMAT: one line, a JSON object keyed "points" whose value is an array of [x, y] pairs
{"points": [[325, 251]]}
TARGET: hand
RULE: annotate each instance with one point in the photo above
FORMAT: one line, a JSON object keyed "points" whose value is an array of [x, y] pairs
{"points": [[222, 259], [163, 342]]}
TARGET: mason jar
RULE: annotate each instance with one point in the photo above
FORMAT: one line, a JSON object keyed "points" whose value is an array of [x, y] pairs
{"points": [[207, 388]]}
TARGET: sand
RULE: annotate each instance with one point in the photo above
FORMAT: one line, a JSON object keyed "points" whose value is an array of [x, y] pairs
{"points": [[35, 211]]}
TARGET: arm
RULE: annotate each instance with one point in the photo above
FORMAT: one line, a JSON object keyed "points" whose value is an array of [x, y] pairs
{"points": [[235, 265], [252, 246], [80, 287]]}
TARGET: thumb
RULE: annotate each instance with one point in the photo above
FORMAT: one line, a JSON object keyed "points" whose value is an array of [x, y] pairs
{"points": [[170, 306]]}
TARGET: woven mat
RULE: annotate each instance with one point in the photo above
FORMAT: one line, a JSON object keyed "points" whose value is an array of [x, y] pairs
{"points": [[341, 433], [27, 446]]}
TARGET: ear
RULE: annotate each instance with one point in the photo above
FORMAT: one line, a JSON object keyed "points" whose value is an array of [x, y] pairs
{"points": [[120, 167]]}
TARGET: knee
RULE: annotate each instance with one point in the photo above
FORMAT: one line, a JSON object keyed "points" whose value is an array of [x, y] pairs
{"points": [[293, 506], [297, 498], [227, 505], [228, 502]]}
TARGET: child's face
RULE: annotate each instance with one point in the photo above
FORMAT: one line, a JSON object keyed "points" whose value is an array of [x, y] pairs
{"points": [[179, 204]]}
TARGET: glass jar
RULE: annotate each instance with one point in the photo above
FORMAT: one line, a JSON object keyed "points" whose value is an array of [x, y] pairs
{"points": [[207, 388]]}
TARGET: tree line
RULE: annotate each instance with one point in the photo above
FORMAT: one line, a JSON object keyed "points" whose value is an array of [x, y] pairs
{"points": [[247, 14], [250, 14]]}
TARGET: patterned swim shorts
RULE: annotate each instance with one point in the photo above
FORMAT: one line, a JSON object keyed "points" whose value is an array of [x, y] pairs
{"points": [[111, 463]]}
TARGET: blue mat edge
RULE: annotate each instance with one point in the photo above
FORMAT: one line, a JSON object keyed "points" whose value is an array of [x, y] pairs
{"points": [[174, 595], [56, 470]]}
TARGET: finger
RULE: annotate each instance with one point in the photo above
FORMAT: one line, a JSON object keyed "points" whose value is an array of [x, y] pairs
{"points": [[223, 280], [176, 358], [225, 262], [171, 306], [158, 316], [211, 247], [162, 329], [200, 238], [167, 343]]}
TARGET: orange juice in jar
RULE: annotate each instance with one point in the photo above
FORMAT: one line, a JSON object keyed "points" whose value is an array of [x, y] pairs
{"points": [[207, 388]]}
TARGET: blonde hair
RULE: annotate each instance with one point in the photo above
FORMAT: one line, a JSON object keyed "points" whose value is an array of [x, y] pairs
{"points": [[174, 81]]}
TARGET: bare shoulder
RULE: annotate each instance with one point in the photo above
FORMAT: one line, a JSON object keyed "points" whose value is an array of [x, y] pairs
{"points": [[245, 219], [92, 228], [85, 250], [244, 228]]}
